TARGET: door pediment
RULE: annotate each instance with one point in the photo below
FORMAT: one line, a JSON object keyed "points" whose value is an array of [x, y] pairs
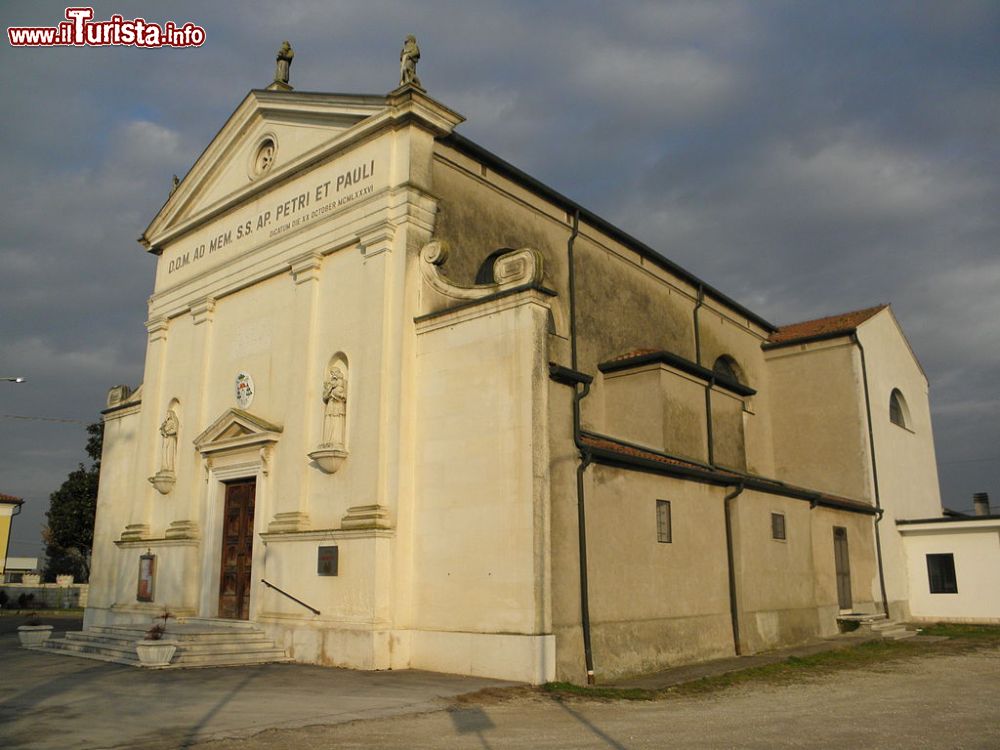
{"points": [[236, 430]]}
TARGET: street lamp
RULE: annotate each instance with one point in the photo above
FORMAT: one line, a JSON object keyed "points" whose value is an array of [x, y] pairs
{"points": [[14, 380]]}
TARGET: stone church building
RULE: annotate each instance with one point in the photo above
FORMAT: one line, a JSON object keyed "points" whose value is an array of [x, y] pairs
{"points": [[404, 406]]}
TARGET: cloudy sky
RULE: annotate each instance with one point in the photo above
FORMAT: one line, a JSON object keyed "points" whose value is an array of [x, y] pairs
{"points": [[805, 157]]}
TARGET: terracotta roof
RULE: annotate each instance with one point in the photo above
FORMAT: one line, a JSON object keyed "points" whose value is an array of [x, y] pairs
{"points": [[10, 499], [726, 476], [630, 450], [633, 353], [832, 325]]}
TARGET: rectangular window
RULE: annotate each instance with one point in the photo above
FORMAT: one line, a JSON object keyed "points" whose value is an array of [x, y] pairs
{"points": [[663, 530], [777, 525], [941, 574]]}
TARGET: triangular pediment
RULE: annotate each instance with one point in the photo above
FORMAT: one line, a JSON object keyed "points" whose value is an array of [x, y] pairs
{"points": [[299, 126], [236, 428]]}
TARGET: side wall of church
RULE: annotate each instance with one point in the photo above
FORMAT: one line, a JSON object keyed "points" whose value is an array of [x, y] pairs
{"points": [[819, 423], [653, 604]]}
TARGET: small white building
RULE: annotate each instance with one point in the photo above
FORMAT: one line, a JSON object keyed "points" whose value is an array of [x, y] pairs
{"points": [[16, 567], [953, 563]]}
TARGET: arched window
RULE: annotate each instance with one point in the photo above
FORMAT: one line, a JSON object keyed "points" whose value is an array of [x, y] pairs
{"points": [[898, 412], [726, 367]]}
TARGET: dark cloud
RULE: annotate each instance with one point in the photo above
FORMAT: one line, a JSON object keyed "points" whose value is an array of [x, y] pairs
{"points": [[805, 157]]}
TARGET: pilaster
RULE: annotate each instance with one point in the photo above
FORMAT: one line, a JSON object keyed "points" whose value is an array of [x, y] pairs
{"points": [[291, 511], [145, 465]]}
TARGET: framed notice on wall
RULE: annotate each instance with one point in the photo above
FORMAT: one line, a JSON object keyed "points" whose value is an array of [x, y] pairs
{"points": [[147, 577], [328, 562]]}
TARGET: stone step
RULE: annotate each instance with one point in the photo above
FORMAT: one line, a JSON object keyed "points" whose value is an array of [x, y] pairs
{"points": [[865, 618], [198, 645], [76, 648], [876, 627], [229, 658], [897, 634], [215, 623], [188, 644], [181, 633]]}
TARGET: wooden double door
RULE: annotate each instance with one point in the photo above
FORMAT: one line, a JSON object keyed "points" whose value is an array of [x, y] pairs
{"points": [[237, 550]]}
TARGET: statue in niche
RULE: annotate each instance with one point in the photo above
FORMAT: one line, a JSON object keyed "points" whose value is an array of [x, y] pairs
{"points": [[169, 432], [334, 413], [283, 68], [408, 59]]}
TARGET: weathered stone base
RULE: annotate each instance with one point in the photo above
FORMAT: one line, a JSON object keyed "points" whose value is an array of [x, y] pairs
{"points": [[520, 658], [628, 648]]}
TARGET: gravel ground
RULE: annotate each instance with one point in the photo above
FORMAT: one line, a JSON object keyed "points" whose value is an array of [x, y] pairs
{"points": [[948, 701]]}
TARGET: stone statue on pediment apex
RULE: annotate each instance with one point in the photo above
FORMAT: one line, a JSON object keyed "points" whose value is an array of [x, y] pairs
{"points": [[282, 70], [408, 58]]}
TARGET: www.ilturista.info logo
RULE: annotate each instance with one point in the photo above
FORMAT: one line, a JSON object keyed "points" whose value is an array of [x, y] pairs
{"points": [[79, 30]]}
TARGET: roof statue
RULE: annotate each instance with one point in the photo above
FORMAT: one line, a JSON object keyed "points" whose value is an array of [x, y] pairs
{"points": [[408, 58], [283, 65]]}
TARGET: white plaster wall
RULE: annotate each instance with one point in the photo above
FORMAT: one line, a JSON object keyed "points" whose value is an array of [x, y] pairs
{"points": [[976, 547], [120, 442], [907, 466]]}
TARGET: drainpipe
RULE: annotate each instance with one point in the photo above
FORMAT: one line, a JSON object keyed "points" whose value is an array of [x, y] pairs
{"points": [[878, 500], [711, 382], [585, 457], [697, 330], [733, 604], [708, 421]]}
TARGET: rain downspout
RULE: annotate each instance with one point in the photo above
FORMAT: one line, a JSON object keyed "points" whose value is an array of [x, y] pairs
{"points": [[878, 500], [708, 386], [585, 457], [734, 612], [737, 490], [697, 330]]}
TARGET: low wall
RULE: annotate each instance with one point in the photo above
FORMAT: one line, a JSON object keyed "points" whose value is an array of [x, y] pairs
{"points": [[46, 595]]}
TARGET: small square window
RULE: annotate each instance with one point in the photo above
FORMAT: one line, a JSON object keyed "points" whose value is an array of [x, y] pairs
{"points": [[777, 525], [941, 574], [663, 530]]}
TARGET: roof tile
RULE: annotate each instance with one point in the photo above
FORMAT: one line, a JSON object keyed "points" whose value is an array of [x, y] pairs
{"points": [[829, 326]]}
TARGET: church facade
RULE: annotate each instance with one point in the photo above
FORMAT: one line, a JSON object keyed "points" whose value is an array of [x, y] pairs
{"points": [[406, 407]]}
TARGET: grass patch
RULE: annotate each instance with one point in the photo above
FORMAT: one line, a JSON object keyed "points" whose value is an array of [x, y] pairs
{"points": [[868, 655], [792, 669], [565, 689], [963, 632], [795, 668]]}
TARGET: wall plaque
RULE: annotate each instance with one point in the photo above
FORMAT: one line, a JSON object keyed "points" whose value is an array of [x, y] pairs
{"points": [[147, 576], [328, 561]]}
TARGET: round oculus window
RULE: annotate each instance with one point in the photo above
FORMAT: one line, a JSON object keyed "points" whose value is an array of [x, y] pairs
{"points": [[264, 157]]}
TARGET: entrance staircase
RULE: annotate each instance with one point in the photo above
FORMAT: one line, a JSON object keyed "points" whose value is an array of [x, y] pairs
{"points": [[200, 643], [878, 625]]}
